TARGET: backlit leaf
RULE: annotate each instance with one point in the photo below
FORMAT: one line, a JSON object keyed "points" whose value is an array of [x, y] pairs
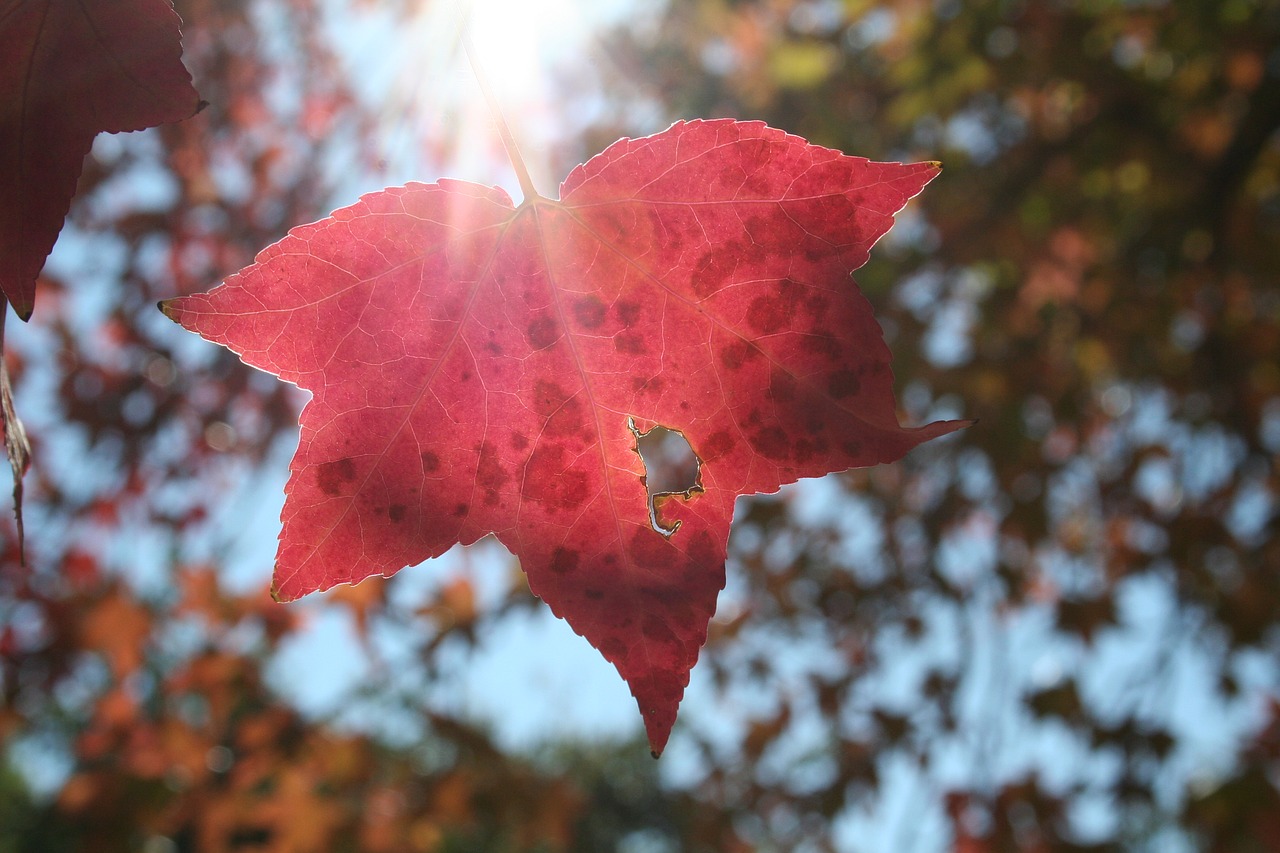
{"points": [[480, 368]]}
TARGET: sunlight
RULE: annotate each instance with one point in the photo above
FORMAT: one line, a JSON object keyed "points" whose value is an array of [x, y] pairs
{"points": [[520, 42], [434, 115], [517, 47], [524, 48]]}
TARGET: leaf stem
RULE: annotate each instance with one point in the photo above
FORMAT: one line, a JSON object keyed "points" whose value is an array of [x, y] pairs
{"points": [[508, 141], [16, 446]]}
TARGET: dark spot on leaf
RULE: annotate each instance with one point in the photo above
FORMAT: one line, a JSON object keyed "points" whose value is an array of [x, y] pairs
{"points": [[657, 631], [817, 305], [771, 442], [737, 353], [629, 313], [548, 397], [631, 343], [332, 475], [767, 314], [843, 383], [691, 577], [490, 475], [717, 444], [757, 227], [466, 376], [564, 561], [566, 420], [782, 387], [819, 253], [543, 333], [613, 649], [590, 311], [593, 593], [493, 348], [430, 462], [611, 224], [649, 549], [460, 510], [803, 450], [731, 176], [673, 602], [397, 512], [853, 448], [518, 441]]}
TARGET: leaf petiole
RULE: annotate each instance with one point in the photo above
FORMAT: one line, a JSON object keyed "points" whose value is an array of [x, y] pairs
{"points": [[16, 446], [508, 141]]}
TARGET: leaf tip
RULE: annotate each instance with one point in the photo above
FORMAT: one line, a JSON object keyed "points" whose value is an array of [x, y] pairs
{"points": [[938, 429], [280, 595], [658, 732]]}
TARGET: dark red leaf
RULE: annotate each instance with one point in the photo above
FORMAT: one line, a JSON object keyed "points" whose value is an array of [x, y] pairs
{"points": [[73, 69], [479, 368]]}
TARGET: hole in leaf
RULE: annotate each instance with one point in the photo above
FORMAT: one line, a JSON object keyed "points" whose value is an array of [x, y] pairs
{"points": [[671, 468]]}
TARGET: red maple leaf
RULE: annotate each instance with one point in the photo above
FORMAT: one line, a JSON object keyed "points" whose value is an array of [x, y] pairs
{"points": [[72, 69], [482, 368]]}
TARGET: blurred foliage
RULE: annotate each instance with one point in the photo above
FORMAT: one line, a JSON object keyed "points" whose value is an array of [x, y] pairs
{"points": [[1054, 632]]}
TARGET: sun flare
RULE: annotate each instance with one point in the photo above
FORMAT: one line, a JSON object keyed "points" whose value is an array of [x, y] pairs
{"points": [[520, 43], [435, 116]]}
